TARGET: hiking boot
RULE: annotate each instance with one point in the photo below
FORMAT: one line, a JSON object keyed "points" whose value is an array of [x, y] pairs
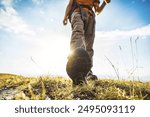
{"points": [[79, 81], [90, 76]]}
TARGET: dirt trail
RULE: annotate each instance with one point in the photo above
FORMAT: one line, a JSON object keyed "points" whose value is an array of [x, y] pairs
{"points": [[8, 93]]}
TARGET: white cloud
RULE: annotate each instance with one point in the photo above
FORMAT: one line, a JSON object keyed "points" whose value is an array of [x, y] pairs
{"points": [[142, 31], [38, 2], [11, 21]]}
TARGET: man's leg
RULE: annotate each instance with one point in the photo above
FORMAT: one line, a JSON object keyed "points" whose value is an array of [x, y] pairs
{"points": [[90, 35], [77, 38], [89, 41]]}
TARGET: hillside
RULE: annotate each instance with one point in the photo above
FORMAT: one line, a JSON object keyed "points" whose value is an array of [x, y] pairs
{"points": [[57, 88]]}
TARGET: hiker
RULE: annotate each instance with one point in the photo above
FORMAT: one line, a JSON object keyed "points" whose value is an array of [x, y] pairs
{"points": [[82, 18]]}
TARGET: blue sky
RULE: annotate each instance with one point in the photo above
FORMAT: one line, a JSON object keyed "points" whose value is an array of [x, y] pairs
{"points": [[33, 40]]}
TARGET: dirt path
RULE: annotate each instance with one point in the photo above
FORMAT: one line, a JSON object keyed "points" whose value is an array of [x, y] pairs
{"points": [[8, 93]]}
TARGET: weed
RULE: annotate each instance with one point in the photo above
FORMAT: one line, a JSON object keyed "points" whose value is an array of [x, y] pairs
{"points": [[58, 88]]}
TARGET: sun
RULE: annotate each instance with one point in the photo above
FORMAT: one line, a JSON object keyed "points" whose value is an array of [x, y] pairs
{"points": [[51, 54]]}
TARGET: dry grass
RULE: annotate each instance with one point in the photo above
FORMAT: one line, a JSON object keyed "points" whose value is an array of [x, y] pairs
{"points": [[47, 88]]}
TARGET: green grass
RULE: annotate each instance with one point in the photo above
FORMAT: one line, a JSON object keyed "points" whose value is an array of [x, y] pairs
{"points": [[57, 88]]}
